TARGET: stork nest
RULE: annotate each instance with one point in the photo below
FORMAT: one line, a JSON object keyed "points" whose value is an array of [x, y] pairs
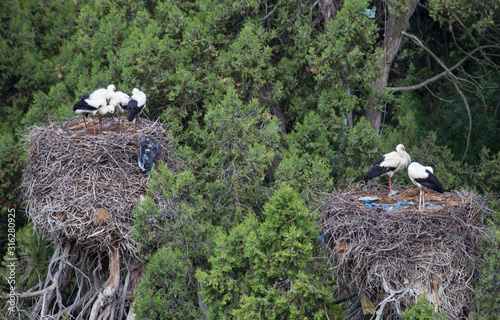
{"points": [[394, 253], [84, 187]]}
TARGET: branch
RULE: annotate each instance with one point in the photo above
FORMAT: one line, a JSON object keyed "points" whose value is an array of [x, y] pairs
{"points": [[475, 42], [455, 83], [29, 294], [442, 74]]}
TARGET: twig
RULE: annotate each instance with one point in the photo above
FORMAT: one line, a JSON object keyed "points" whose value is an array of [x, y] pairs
{"points": [[455, 83]]}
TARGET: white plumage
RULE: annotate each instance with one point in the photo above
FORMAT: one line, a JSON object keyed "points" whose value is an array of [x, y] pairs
{"points": [[424, 176], [120, 100], [91, 103], [103, 93], [136, 105], [388, 164]]}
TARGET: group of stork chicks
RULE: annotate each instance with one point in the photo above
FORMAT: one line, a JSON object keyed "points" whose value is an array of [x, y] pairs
{"points": [[420, 175], [103, 101]]}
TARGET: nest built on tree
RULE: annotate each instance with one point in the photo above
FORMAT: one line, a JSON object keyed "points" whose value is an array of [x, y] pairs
{"points": [[392, 252], [80, 191]]}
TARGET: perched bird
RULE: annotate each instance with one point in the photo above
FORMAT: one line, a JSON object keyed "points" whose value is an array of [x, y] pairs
{"points": [[105, 93], [119, 100], [104, 110], [136, 104], [91, 103], [388, 164], [424, 176], [147, 154]]}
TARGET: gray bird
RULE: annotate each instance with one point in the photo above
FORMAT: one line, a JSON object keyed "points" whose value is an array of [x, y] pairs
{"points": [[147, 154]]}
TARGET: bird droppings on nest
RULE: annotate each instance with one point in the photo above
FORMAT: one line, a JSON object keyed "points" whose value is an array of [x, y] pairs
{"points": [[393, 256], [84, 187]]}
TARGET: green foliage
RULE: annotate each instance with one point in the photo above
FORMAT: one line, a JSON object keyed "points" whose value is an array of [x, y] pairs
{"points": [[154, 228], [440, 158], [488, 292], [236, 148], [29, 254], [268, 270], [361, 145], [488, 262], [256, 94], [163, 292], [423, 310], [487, 177]]}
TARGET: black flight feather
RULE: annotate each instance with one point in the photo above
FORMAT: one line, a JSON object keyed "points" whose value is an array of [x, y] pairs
{"points": [[431, 182]]}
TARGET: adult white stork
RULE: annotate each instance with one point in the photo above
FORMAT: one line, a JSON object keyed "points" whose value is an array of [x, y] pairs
{"points": [[119, 100], [388, 164], [136, 105], [91, 103], [424, 176]]}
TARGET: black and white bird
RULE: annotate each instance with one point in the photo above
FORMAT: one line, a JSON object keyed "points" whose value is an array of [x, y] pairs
{"points": [[147, 154], [424, 176], [136, 105], [388, 164], [91, 103], [119, 100]]}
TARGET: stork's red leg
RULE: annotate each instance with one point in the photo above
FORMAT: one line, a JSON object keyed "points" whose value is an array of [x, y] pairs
{"points": [[85, 123], [390, 187]]}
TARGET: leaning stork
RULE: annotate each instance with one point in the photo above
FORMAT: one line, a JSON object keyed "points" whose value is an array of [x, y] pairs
{"points": [[424, 176], [120, 100], [136, 105], [388, 164], [106, 93], [91, 103]]}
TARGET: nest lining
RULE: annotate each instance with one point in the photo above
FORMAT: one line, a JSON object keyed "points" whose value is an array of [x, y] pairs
{"points": [[84, 187], [406, 252]]}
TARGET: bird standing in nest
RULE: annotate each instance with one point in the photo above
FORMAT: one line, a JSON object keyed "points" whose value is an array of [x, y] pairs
{"points": [[136, 105], [120, 100], [424, 176], [388, 164], [91, 103]]}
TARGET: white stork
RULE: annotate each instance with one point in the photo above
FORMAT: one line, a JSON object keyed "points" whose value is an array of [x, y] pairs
{"points": [[136, 105], [424, 176], [120, 100], [388, 164], [91, 103]]}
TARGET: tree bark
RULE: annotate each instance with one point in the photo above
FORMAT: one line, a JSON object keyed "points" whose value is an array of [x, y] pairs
{"points": [[397, 22]]}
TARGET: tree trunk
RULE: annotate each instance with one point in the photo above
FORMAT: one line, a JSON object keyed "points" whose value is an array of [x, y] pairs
{"points": [[397, 21]]}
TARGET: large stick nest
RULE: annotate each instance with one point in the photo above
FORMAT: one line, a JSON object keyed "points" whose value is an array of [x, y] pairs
{"points": [[84, 187], [394, 253]]}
